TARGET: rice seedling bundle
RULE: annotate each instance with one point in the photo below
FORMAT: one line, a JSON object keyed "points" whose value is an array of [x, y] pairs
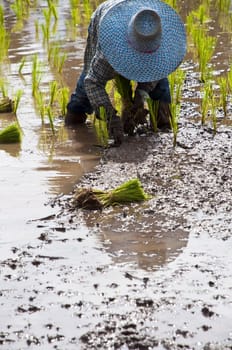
{"points": [[128, 192], [6, 105], [11, 134]]}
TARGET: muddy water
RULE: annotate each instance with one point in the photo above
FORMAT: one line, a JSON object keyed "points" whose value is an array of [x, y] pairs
{"points": [[44, 166]]}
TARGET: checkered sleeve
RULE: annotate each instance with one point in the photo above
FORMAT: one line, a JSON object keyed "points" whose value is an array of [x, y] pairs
{"points": [[97, 76]]}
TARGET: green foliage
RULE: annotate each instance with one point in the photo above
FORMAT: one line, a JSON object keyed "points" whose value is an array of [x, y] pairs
{"points": [[6, 105], [11, 134], [153, 107], [130, 191]]}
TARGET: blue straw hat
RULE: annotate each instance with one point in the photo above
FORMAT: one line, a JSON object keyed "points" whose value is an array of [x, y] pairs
{"points": [[143, 40]]}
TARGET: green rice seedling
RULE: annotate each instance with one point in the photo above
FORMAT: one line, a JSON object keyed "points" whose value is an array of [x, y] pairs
{"points": [[40, 104], [176, 81], [1, 16], [36, 74], [53, 9], [229, 78], [205, 48], [214, 115], [153, 107], [11, 134], [205, 101], [129, 192], [201, 14], [63, 97], [3, 88], [50, 118], [53, 91], [223, 5], [4, 37], [22, 64], [175, 111], [101, 127], [88, 10], [56, 58], [6, 105], [17, 99], [124, 88], [224, 89], [36, 23], [46, 26], [21, 9]]}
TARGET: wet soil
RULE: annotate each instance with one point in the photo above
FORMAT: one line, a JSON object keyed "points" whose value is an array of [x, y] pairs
{"points": [[155, 275]]}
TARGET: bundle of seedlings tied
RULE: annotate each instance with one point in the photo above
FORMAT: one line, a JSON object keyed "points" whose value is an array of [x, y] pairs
{"points": [[6, 105], [11, 134], [130, 191]]}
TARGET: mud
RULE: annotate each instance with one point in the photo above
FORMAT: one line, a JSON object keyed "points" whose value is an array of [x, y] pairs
{"points": [[155, 275]]}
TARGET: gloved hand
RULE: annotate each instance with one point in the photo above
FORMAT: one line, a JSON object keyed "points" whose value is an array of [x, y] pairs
{"points": [[115, 129]]}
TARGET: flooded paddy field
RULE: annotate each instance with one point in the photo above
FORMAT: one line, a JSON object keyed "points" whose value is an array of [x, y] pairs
{"points": [[155, 275]]}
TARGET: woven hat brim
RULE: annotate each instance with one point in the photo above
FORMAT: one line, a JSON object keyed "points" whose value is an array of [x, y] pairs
{"points": [[135, 65]]}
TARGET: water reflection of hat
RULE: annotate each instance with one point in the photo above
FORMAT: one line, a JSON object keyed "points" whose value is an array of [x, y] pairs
{"points": [[143, 40]]}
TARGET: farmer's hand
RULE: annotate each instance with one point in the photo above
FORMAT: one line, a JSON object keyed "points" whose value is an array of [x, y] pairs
{"points": [[115, 129]]}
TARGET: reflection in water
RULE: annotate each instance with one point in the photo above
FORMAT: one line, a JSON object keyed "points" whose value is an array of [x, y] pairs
{"points": [[138, 239], [70, 154]]}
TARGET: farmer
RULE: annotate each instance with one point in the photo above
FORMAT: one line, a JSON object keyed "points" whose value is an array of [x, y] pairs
{"points": [[136, 40]]}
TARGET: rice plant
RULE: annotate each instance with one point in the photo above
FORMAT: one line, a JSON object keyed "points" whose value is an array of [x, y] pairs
{"points": [[17, 99], [36, 74], [53, 86], [205, 45], [22, 64], [56, 59], [40, 104], [101, 127], [214, 114], [50, 118], [223, 85], [11, 134], [205, 101], [175, 111], [63, 97], [3, 88], [153, 107], [229, 78], [4, 37]]}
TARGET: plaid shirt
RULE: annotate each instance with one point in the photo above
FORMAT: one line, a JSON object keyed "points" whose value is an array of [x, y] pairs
{"points": [[97, 69]]}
